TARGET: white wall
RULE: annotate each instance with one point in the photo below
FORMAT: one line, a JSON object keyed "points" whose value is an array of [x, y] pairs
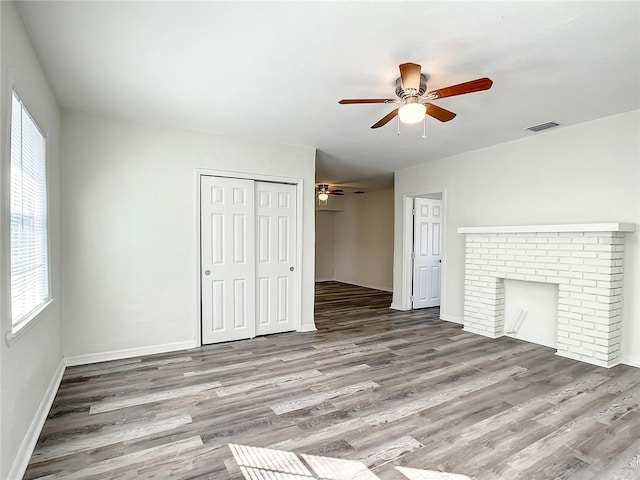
{"points": [[580, 174], [129, 231], [31, 367], [325, 245], [364, 240]]}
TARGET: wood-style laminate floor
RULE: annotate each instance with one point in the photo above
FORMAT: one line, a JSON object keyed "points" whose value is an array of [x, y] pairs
{"points": [[378, 387]]}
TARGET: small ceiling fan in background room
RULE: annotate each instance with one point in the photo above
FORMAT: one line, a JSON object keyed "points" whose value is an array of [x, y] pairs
{"points": [[323, 191], [411, 88]]}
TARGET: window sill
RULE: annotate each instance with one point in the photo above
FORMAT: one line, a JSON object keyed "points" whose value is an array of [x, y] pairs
{"points": [[20, 330]]}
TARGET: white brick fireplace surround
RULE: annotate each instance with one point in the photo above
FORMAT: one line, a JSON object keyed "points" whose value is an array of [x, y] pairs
{"points": [[584, 260]]}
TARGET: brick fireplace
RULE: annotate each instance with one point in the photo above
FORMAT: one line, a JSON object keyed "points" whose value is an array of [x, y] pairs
{"points": [[584, 260]]}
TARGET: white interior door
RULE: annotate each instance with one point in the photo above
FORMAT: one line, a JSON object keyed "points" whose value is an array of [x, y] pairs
{"points": [[227, 259], [276, 257], [427, 261]]}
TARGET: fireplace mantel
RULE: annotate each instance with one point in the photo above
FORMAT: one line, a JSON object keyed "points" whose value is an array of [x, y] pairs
{"points": [[567, 227], [585, 261]]}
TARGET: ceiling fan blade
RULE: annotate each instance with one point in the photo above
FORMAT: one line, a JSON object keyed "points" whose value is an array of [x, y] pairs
{"points": [[462, 88], [384, 120], [367, 100], [410, 75], [439, 113]]}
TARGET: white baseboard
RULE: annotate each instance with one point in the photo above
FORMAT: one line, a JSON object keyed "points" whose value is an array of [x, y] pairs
{"points": [[451, 318], [631, 361], [307, 328], [396, 306], [28, 444], [128, 353], [321, 280]]}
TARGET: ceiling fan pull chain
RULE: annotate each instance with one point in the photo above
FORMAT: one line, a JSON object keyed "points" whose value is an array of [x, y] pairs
{"points": [[424, 127], [398, 126]]}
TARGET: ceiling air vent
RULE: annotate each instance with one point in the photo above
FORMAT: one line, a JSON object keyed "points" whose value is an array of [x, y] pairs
{"points": [[543, 126]]}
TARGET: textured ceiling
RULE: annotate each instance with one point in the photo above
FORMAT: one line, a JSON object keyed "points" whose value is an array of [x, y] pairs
{"points": [[274, 71]]}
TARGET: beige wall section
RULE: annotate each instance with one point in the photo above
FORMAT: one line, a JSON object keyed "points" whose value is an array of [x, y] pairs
{"points": [[30, 368], [364, 240], [586, 173], [325, 245], [129, 231]]}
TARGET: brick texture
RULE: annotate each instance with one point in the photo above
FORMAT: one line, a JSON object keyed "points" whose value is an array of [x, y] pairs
{"points": [[586, 266]]}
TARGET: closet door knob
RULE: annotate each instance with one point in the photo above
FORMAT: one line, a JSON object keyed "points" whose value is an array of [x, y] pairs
{"points": [[291, 269], [207, 272]]}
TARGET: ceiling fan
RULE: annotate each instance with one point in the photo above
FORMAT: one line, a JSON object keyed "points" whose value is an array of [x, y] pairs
{"points": [[323, 191], [411, 88]]}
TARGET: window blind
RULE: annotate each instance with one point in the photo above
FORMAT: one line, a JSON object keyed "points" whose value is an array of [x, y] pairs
{"points": [[28, 211]]}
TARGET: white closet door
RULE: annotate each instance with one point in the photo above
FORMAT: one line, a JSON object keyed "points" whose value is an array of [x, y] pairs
{"points": [[228, 259], [427, 235], [276, 257]]}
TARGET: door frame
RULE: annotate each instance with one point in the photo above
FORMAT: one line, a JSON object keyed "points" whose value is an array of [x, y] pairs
{"points": [[299, 184], [406, 284]]}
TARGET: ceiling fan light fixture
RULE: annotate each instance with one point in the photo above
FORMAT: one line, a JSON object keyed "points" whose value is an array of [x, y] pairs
{"points": [[323, 197], [411, 113]]}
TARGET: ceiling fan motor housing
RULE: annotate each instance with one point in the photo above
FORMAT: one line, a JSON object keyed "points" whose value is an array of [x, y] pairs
{"points": [[411, 93]]}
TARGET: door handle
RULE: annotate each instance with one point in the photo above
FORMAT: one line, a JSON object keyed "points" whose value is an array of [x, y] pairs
{"points": [[207, 272], [291, 269]]}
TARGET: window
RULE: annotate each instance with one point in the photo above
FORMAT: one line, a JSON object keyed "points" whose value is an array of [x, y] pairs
{"points": [[28, 211]]}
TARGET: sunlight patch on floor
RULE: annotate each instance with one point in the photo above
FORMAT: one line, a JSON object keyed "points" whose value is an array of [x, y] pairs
{"points": [[253, 460], [338, 469], [418, 474], [257, 463]]}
